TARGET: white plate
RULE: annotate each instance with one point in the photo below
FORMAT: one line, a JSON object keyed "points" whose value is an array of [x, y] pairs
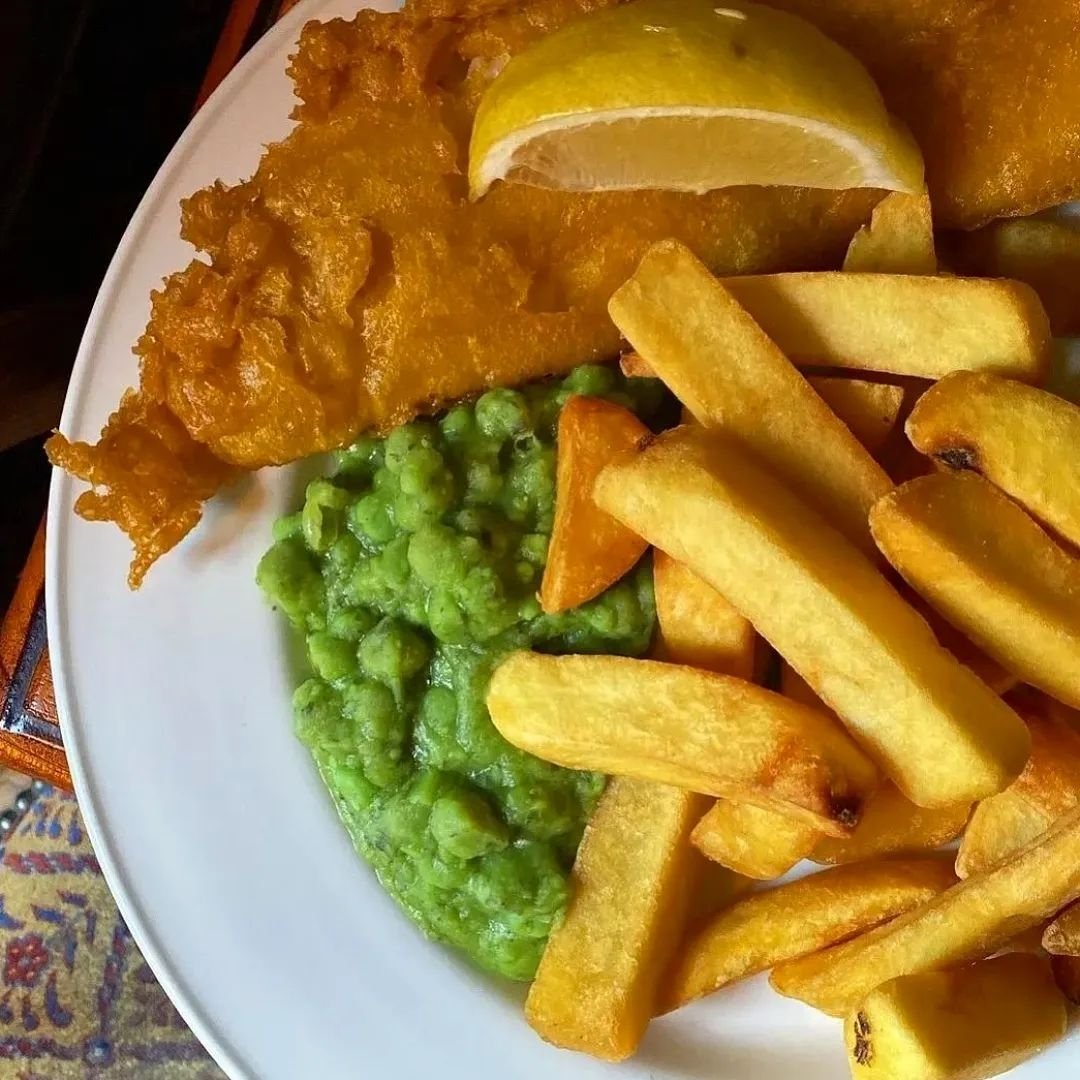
{"points": [[222, 849]]}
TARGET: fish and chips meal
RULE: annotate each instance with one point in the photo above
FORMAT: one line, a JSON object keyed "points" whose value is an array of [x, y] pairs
{"points": [[696, 590]]}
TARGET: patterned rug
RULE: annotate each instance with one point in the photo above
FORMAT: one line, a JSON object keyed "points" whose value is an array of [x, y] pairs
{"points": [[76, 997]]}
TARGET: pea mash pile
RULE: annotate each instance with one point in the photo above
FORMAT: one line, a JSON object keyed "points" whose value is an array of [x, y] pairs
{"points": [[411, 571]]}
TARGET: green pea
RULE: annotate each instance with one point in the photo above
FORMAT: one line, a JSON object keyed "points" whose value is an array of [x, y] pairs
{"points": [[533, 547], [289, 576], [419, 467], [370, 520], [316, 710], [393, 651], [320, 526], [433, 553], [333, 658], [405, 438], [502, 414], [465, 827], [458, 424], [287, 527], [351, 624], [593, 380], [483, 483], [445, 617], [326, 493]]}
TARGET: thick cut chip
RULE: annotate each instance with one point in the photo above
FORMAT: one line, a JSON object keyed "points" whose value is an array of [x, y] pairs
{"points": [[730, 375], [999, 827], [698, 627], [797, 918], [869, 409], [752, 841], [1024, 440], [710, 733], [991, 571], [905, 325], [589, 549], [1040, 251], [715, 887], [898, 240], [595, 990], [826, 609], [1062, 936], [964, 649], [1047, 789], [972, 919], [971, 1023], [891, 824]]}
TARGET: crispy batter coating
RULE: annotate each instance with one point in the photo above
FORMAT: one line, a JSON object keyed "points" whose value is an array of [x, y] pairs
{"points": [[351, 283], [147, 474], [988, 88]]}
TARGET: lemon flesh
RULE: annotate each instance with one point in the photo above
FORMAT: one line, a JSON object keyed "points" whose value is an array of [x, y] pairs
{"points": [[686, 95]]}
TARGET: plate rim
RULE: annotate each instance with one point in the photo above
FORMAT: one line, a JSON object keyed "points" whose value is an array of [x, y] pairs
{"points": [[205, 1028]]}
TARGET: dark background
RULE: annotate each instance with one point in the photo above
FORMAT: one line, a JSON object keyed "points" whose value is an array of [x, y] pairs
{"points": [[93, 93]]}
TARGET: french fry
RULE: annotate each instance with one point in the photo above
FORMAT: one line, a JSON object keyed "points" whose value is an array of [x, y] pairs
{"points": [[1022, 439], [869, 409], [794, 686], [972, 919], [898, 240], [964, 649], [891, 824], [752, 841], [991, 571], [589, 550], [999, 827], [596, 987], [967, 1024], [1047, 789], [901, 324], [1042, 252], [697, 730], [698, 627], [826, 609], [1062, 936], [1066, 970], [714, 887], [797, 918], [727, 372]]}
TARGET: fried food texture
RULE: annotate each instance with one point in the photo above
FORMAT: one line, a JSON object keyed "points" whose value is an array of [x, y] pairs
{"points": [[147, 474], [350, 283], [988, 91]]}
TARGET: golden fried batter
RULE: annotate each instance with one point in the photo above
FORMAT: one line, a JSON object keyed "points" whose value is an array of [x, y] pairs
{"points": [[350, 282], [988, 87], [148, 475]]}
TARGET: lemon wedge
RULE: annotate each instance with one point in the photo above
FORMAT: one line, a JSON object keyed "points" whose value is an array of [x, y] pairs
{"points": [[686, 95]]}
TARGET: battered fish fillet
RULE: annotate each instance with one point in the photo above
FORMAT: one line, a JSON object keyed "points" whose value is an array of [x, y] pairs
{"points": [[988, 88], [351, 283]]}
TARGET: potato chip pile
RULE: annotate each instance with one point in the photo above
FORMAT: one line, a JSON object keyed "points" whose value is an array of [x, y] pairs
{"points": [[851, 670]]}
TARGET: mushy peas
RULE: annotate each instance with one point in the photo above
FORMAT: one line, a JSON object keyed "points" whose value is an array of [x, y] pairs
{"points": [[411, 571]]}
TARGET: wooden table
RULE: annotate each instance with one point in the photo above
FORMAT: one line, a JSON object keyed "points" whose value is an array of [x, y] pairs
{"points": [[30, 739]]}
